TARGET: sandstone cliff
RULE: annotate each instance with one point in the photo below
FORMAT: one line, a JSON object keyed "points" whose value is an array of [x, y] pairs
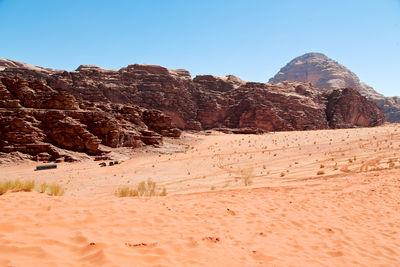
{"points": [[81, 109], [324, 72], [45, 123]]}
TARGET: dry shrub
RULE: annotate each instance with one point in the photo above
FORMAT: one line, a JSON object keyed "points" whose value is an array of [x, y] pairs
{"points": [[28, 186], [164, 192], [54, 190], [247, 175], [42, 188], [50, 189], [16, 185], [126, 192], [320, 172], [144, 189]]}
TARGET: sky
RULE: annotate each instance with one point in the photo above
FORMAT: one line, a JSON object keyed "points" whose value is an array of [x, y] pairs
{"points": [[251, 39]]}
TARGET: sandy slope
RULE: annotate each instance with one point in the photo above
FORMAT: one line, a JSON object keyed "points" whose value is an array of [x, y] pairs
{"points": [[289, 216]]}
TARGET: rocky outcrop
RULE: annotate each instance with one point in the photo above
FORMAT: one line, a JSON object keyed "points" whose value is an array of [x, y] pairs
{"points": [[45, 123], [346, 108], [45, 110], [220, 84], [270, 107], [325, 73]]}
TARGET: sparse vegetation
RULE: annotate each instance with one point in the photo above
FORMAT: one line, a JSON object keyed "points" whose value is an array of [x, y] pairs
{"points": [[335, 167], [144, 189], [54, 190], [247, 175], [321, 172], [28, 186]]}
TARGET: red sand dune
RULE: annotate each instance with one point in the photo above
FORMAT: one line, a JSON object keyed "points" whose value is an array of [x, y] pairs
{"points": [[289, 216]]}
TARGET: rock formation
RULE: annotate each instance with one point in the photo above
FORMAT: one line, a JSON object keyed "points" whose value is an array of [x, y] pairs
{"points": [[44, 110], [42, 122], [323, 72], [347, 107]]}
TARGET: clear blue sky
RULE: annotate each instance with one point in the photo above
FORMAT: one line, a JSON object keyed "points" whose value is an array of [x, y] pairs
{"points": [[252, 39]]}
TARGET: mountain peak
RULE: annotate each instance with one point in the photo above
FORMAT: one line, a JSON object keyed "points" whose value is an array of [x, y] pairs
{"points": [[322, 72], [325, 73], [312, 55]]}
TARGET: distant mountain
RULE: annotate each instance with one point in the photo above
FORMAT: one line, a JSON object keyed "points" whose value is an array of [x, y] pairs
{"points": [[323, 72]]}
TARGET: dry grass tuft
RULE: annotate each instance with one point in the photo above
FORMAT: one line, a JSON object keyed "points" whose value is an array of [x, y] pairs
{"points": [[28, 186], [144, 189], [54, 190], [16, 186], [247, 175], [126, 192]]}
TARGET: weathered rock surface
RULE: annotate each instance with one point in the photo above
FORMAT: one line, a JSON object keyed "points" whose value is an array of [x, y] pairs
{"points": [[347, 107], [82, 109], [45, 123], [323, 72]]}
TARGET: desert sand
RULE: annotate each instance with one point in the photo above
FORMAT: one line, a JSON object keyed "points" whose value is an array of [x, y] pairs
{"points": [[311, 198]]}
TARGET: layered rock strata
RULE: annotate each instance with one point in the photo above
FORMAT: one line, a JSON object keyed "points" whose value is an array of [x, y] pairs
{"points": [[138, 104], [37, 119]]}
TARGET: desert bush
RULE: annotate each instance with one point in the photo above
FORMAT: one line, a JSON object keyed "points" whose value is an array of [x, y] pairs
{"points": [[126, 192], [16, 185], [144, 189], [163, 192], [42, 188], [54, 190], [3, 188], [28, 186], [247, 175], [320, 172]]}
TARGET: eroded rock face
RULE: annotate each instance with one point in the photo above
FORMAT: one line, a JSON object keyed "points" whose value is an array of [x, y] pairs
{"points": [[346, 108], [139, 104], [206, 101], [39, 121], [325, 73], [270, 107]]}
